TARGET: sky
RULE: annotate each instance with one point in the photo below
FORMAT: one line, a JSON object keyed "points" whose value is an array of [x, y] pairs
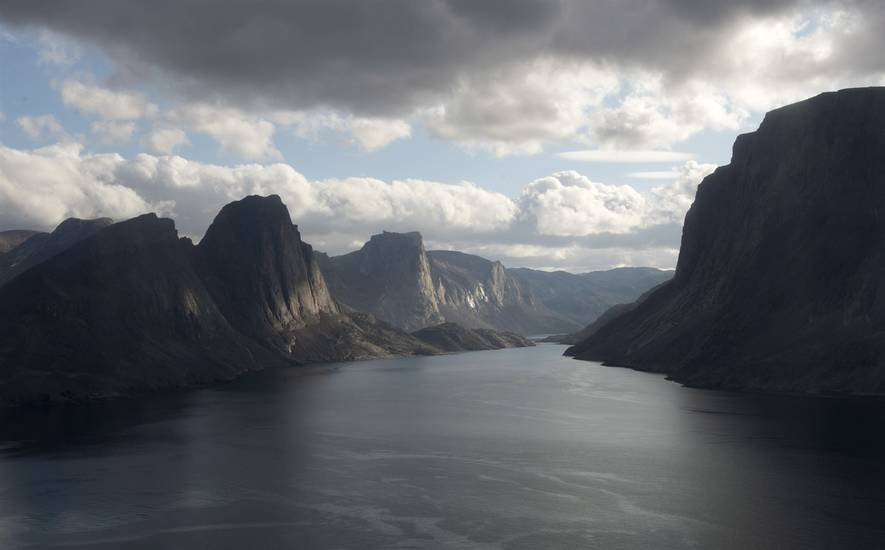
{"points": [[553, 134]]}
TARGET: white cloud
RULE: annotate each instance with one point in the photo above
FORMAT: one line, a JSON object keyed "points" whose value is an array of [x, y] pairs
{"points": [[370, 134], [625, 156], [104, 103], [39, 127], [113, 131], [165, 141], [236, 132], [555, 221], [518, 108], [42, 187], [569, 204], [670, 202]]}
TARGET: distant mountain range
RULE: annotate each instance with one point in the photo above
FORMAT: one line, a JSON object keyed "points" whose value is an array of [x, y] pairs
{"points": [[780, 283], [394, 278]]}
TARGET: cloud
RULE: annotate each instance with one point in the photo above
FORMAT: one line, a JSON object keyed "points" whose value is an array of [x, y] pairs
{"points": [[624, 156], [40, 127], [519, 108], [249, 137], [555, 221], [165, 141], [56, 49], [42, 187], [113, 131], [500, 76], [569, 204], [369, 133], [104, 103]]}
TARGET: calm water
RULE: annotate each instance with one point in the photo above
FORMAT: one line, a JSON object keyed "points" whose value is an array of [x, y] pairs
{"points": [[513, 449]]}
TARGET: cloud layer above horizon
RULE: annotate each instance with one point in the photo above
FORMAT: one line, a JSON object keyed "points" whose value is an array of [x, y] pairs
{"points": [[556, 216]]}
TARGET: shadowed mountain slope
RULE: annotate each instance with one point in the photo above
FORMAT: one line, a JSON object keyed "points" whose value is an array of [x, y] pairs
{"points": [[780, 283]]}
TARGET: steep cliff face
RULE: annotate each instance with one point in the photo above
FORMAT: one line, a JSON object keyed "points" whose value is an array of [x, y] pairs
{"points": [[43, 246], [394, 278], [388, 277], [261, 274], [779, 284], [122, 310]]}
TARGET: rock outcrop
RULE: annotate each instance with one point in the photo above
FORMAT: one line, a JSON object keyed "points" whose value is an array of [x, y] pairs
{"points": [[389, 277], [43, 246], [394, 278], [779, 284], [452, 337]]}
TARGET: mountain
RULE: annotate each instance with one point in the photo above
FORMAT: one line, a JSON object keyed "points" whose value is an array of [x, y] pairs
{"points": [[122, 310], [779, 284], [389, 277], [14, 237], [133, 307], [42, 246], [452, 337], [396, 279]]}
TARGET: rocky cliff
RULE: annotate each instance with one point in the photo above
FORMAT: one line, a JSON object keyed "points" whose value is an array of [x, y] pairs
{"points": [[396, 279], [389, 277], [779, 284]]}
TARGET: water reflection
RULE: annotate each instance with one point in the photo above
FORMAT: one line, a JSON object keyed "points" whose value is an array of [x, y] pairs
{"points": [[509, 449]]}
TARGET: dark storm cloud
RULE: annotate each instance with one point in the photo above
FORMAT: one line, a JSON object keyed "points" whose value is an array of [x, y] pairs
{"points": [[376, 56]]}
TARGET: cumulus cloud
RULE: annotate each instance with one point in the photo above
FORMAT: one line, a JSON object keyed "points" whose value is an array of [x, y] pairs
{"points": [[40, 127], [569, 204], [105, 103], [164, 141], [519, 108], [555, 220], [369, 133], [42, 187], [250, 137], [113, 131]]}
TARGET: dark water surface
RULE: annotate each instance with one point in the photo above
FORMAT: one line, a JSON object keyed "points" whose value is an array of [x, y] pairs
{"points": [[513, 449]]}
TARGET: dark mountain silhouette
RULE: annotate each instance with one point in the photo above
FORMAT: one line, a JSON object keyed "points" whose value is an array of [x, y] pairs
{"points": [[12, 238], [108, 309], [42, 246], [396, 279], [780, 282]]}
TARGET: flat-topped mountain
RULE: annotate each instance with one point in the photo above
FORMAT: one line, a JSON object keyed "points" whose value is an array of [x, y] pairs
{"points": [[42, 246], [780, 283], [388, 277], [395, 278]]}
